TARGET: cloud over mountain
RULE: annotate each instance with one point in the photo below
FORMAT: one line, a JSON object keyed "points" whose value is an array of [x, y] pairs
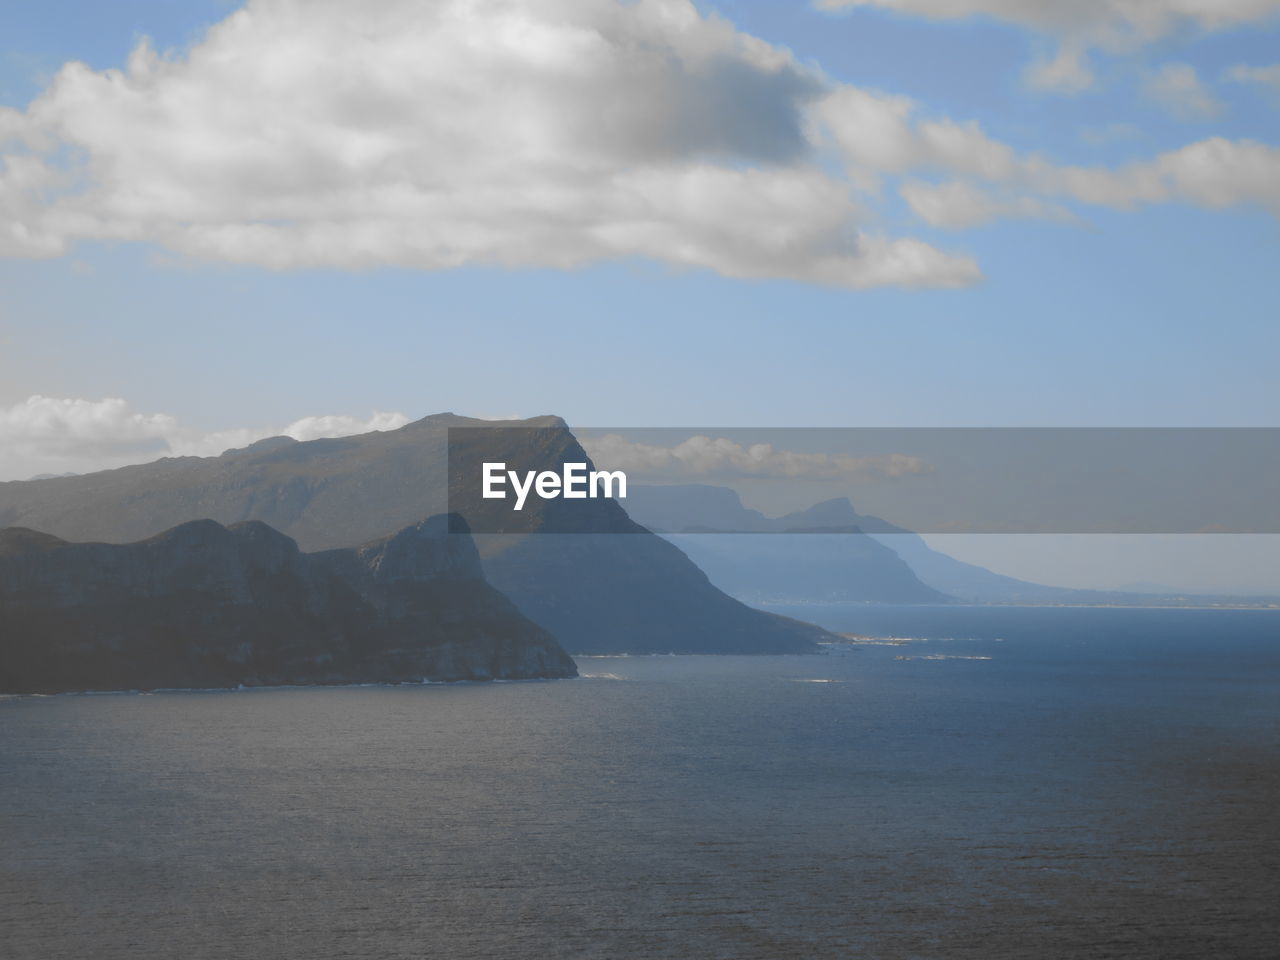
{"points": [[702, 456], [96, 434]]}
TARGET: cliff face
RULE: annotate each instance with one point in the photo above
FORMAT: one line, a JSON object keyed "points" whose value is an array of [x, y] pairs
{"points": [[203, 605], [610, 586]]}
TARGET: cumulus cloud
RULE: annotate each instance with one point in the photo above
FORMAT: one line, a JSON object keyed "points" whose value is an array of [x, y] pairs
{"points": [[544, 133], [555, 133], [96, 434], [1080, 25], [703, 456], [58, 427], [1177, 87], [878, 134]]}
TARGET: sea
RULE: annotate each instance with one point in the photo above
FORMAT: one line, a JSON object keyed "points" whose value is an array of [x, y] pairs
{"points": [[968, 782]]}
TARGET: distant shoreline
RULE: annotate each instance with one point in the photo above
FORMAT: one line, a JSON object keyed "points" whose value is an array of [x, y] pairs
{"points": [[1274, 605]]}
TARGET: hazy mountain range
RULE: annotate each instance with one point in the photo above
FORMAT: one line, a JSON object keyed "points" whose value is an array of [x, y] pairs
{"points": [[874, 561], [616, 589], [195, 572]]}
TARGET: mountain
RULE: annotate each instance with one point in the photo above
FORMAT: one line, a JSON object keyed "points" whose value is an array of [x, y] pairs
{"points": [[694, 507], [903, 570], [607, 587], [816, 568], [203, 605], [703, 508], [968, 581], [817, 554]]}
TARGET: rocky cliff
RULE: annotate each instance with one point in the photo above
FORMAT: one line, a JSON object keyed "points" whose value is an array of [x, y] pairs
{"points": [[203, 605]]}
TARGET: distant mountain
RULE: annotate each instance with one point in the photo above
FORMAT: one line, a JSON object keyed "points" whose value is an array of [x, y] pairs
{"points": [[612, 588], [693, 507], [812, 568], [873, 575], [805, 567], [826, 557], [703, 508], [203, 605]]}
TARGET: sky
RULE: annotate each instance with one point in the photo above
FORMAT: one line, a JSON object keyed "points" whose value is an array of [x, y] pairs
{"points": [[222, 221]]}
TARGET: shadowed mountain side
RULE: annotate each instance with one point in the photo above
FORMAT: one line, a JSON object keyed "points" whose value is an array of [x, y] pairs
{"points": [[601, 582], [202, 605], [683, 611], [623, 591]]}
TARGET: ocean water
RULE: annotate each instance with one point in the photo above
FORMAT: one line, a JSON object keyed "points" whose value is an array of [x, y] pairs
{"points": [[1007, 783]]}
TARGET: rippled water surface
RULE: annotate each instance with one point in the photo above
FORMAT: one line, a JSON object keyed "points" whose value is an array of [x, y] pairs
{"points": [[1010, 783]]}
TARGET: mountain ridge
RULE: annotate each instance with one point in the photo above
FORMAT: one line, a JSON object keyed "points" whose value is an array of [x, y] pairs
{"points": [[760, 559], [614, 589], [207, 605]]}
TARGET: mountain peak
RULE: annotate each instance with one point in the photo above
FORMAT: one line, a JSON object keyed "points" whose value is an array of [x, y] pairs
{"points": [[836, 512], [456, 420], [265, 445]]}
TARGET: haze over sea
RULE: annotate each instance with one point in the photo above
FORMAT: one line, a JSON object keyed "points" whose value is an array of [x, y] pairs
{"points": [[1012, 782]]}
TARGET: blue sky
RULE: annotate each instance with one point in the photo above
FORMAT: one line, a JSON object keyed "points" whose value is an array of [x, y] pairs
{"points": [[1077, 313]]}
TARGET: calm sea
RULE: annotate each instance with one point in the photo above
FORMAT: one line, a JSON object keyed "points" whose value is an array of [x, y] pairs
{"points": [[1007, 783]]}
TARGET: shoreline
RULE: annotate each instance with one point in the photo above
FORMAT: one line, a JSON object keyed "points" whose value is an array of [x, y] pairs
{"points": [[1055, 606]]}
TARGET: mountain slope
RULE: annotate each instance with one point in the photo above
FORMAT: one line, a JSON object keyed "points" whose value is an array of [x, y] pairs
{"points": [[202, 605]]}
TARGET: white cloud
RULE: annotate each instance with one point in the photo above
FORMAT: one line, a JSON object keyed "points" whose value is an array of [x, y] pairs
{"points": [[315, 428], [552, 133], [1146, 18], [1067, 71], [877, 134], [957, 205], [1268, 76], [57, 427], [82, 435], [1213, 173], [1178, 88], [702, 456], [546, 133], [1083, 24]]}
